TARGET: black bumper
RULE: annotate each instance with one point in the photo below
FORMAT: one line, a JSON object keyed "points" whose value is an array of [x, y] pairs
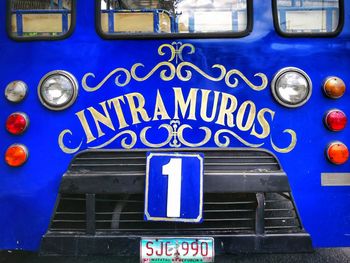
{"points": [[60, 244]]}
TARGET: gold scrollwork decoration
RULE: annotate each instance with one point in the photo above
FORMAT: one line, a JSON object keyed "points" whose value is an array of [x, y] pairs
{"points": [[99, 85], [176, 50], [144, 140], [227, 141], [63, 147], [171, 48], [290, 147], [191, 51], [188, 75], [175, 124], [185, 142], [124, 144], [166, 74], [232, 72]]}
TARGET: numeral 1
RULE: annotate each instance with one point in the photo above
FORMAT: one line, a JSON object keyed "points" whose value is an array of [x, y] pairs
{"points": [[173, 171]]}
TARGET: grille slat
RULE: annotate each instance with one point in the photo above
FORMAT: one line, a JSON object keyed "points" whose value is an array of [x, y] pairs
{"points": [[116, 162], [70, 213], [118, 200], [205, 211], [140, 166], [142, 221], [281, 227], [68, 221], [72, 199], [229, 203], [143, 158], [279, 218], [146, 230]]}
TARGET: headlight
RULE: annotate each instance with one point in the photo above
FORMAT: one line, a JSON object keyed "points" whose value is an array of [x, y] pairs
{"points": [[58, 90], [291, 87]]}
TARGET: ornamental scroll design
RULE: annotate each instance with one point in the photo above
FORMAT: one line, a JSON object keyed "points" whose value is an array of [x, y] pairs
{"points": [[175, 66], [175, 137]]}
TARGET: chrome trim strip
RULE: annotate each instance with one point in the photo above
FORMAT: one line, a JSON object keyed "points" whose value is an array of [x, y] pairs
{"points": [[335, 179]]}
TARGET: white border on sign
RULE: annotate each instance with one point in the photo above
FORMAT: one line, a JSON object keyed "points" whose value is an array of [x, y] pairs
{"points": [[170, 219]]}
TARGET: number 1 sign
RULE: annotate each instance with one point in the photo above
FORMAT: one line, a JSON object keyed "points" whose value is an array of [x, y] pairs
{"points": [[174, 187]]}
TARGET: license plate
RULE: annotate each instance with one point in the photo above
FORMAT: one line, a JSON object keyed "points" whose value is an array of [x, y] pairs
{"points": [[177, 250]]}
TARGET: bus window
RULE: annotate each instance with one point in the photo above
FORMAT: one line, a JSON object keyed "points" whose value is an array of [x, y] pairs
{"points": [[313, 17], [40, 19], [165, 17]]}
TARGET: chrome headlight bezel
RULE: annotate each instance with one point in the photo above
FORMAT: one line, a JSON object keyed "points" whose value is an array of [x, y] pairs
{"points": [[73, 97], [279, 98]]}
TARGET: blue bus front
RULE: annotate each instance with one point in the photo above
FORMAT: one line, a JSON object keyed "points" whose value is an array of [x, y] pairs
{"points": [[255, 89]]}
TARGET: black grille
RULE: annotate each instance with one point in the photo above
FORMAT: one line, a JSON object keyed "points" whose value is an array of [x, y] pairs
{"points": [[280, 214], [134, 162], [70, 213], [223, 213], [110, 206]]}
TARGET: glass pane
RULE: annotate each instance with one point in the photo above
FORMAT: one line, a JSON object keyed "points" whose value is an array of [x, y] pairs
{"points": [[308, 16], [173, 16], [40, 18]]}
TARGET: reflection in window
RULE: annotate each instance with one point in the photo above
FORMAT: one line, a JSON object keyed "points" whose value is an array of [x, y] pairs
{"points": [[173, 16], [308, 16], [40, 18]]}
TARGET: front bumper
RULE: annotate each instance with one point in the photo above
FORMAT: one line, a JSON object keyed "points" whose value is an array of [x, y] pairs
{"points": [[78, 245]]}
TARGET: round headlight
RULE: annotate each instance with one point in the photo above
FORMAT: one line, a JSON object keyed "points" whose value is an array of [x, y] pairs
{"points": [[291, 87], [58, 90]]}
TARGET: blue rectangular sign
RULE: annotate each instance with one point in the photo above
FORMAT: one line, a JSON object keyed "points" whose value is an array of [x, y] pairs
{"points": [[174, 187]]}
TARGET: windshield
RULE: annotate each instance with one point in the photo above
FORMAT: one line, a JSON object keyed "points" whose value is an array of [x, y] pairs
{"points": [[173, 16], [40, 18], [308, 16]]}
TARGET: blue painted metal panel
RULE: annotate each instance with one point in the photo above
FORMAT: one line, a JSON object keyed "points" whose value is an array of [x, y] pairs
{"points": [[27, 194]]}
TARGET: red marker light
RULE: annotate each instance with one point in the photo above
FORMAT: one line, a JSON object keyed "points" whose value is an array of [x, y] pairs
{"points": [[337, 153], [335, 120], [16, 155], [17, 123]]}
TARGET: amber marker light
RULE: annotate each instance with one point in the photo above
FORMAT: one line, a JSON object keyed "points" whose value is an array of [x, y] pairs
{"points": [[16, 155], [337, 153], [17, 123], [334, 87], [335, 120]]}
